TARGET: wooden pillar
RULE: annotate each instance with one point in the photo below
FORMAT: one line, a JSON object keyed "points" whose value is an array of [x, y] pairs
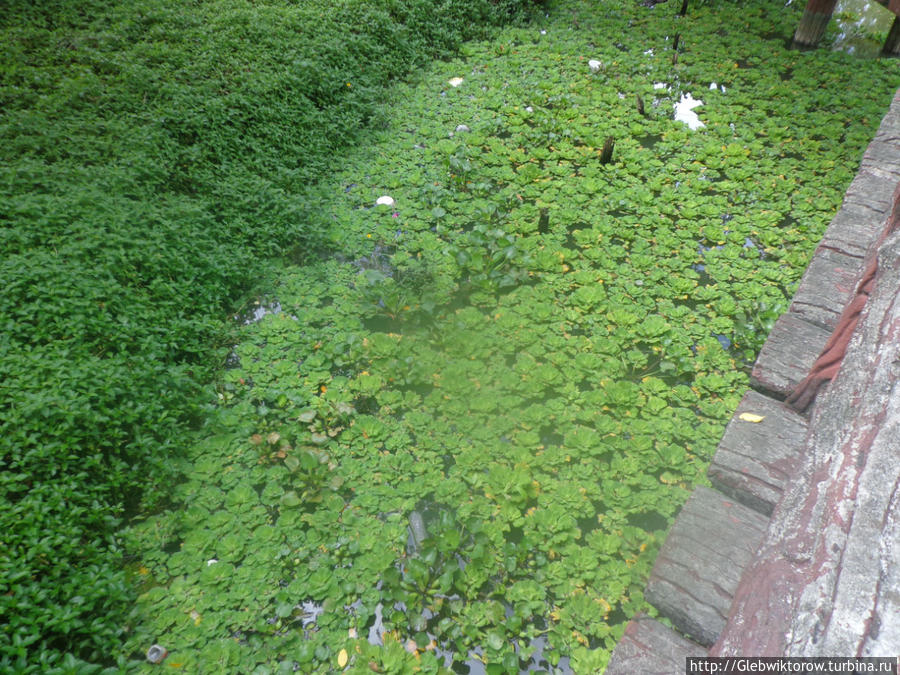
{"points": [[813, 23], [892, 43]]}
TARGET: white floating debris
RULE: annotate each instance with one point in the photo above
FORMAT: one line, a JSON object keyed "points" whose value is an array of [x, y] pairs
{"points": [[462, 128], [528, 108], [595, 65], [384, 201], [157, 653], [649, 52], [713, 86], [660, 85], [455, 81], [684, 111], [621, 96], [211, 561], [543, 32]]}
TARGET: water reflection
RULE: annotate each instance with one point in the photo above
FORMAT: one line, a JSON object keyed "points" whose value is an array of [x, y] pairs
{"points": [[863, 25]]}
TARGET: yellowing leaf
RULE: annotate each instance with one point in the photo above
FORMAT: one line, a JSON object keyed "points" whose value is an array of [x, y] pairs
{"points": [[752, 417], [342, 658]]}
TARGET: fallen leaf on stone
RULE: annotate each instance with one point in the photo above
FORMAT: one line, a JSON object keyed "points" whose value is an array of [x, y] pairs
{"points": [[751, 417]]}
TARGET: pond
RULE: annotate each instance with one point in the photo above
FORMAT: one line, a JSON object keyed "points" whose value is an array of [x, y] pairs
{"points": [[456, 446]]}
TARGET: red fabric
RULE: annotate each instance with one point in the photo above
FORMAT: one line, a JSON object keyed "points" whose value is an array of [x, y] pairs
{"points": [[829, 362]]}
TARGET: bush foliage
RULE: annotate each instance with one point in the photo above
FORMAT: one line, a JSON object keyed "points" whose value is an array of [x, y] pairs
{"points": [[153, 154]]}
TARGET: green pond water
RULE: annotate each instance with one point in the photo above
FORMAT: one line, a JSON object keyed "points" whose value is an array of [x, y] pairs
{"points": [[456, 442]]}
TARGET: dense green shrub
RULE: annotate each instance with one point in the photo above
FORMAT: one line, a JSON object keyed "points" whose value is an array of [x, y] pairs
{"points": [[152, 154]]}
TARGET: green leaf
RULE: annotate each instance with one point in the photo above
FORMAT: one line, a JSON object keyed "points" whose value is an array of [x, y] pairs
{"points": [[290, 499], [496, 640]]}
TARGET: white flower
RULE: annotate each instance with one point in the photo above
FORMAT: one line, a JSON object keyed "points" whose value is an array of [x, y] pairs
{"points": [[462, 128], [543, 32], [595, 65], [660, 85], [211, 561], [385, 201], [528, 108], [649, 52], [455, 81], [713, 86], [684, 111]]}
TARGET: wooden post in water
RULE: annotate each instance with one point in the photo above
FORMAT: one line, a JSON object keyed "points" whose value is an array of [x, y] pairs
{"points": [[813, 23], [607, 152], [892, 43]]}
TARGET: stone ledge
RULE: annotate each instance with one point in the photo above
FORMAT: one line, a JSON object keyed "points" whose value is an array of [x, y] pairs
{"points": [[873, 186], [701, 561], [826, 288], [827, 579], [788, 354], [651, 648], [755, 459]]}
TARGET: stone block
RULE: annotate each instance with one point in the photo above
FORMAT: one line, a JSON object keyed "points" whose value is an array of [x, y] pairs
{"points": [[651, 648], [701, 562], [755, 460], [786, 357]]}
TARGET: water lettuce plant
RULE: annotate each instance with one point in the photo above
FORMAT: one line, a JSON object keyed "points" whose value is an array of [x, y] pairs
{"points": [[461, 440]]}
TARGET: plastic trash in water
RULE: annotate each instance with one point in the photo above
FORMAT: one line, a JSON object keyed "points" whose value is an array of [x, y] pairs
{"points": [[684, 111]]}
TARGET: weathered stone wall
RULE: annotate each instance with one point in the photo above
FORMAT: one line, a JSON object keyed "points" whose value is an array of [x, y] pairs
{"points": [[826, 580]]}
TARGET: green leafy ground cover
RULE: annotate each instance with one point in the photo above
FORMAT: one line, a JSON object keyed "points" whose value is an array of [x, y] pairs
{"points": [[463, 437], [152, 156]]}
